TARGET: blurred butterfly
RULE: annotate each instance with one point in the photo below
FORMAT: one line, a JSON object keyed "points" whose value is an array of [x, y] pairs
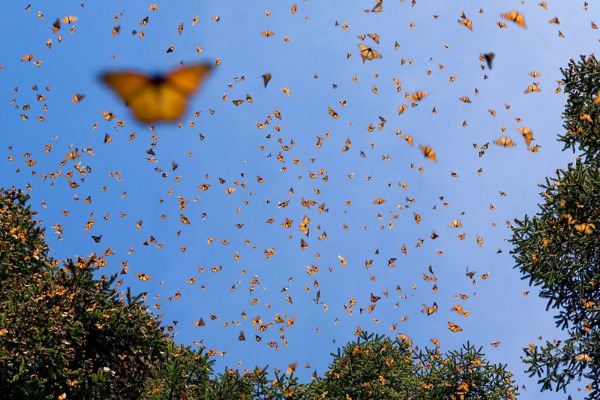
{"points": [[428, 152], [584, 357], [527, 134], [488, 59], [157, 98], [585, 228], [418, 96], [368, 53], [532, 88], [504, 141], [466, 22], [143, 277], [515, 17], [266, 78], [378, 7]]}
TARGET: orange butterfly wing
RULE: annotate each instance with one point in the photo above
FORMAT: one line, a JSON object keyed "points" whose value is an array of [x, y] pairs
{"points": [[161, 98]]}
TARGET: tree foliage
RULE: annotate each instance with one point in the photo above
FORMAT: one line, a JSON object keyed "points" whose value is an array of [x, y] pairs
{"points": [[372, 367], [558, 249], [377, 367], [64, 333], [463, 374]]}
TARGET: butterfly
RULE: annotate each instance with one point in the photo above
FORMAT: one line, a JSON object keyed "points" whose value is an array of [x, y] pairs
{"points": [[428, 152], [143, 277], [585, 228], [532, 88], [453, 327], [455, 223], [466, 22], [418, 96], [504, 141], [515, 17], [266, 78], [368, 53], [527, 134], [488, 59], [157, 98]]}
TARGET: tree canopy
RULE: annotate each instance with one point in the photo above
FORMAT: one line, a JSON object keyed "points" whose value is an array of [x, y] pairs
{"points": [[558, 249]]}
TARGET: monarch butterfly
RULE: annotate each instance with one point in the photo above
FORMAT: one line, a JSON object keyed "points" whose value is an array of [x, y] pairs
{"points": [[532, 88], [504, 141], [69, 19], [527, 134], [266, 78], [157, 98], [554, 21], [374, 36], [466, 22], [378, 7], [143, 277], [453, 327], [368, 53], [585, 228], [488, 59], [584, 357], [418, 96], [332, 112], [455, 224], [379, 200], [417, 217], [428, 152], [430, 310], [515, 17]]}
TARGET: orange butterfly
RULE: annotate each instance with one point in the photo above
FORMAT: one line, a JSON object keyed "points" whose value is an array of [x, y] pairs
{"points": [[453, 327], [368, 53], [158, 98], [428, 152], [515, 17], [504, 141]]}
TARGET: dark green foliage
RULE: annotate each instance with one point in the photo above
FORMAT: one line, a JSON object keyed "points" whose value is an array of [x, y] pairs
{"points": [[463, 374], [582, 111], [61, 330], [373, 367], [376, 367], [183, 373], [559, 248]]}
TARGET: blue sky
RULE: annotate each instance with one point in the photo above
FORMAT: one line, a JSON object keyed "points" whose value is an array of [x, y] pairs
{"points": [[231, 150]]}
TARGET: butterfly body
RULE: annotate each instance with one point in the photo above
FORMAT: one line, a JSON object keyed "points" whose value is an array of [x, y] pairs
{"points": [[159, 97]]}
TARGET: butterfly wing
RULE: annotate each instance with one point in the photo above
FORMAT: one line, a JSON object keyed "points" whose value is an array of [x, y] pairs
{"points": [[187, 80], [126, 84]]}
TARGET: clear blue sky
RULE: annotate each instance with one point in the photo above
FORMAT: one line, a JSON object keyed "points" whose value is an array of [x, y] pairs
{"points": [[231, 150]]}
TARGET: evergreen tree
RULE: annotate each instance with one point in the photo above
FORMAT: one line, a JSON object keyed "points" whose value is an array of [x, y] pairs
{"points": [[558, 249]]}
